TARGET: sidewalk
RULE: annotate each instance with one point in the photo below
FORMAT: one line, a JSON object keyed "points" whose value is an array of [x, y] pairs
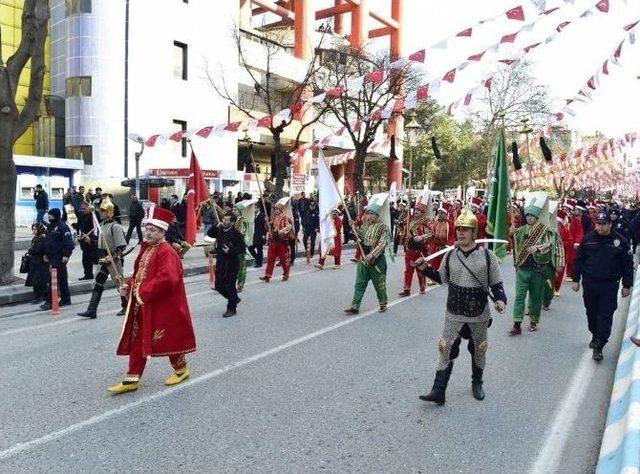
{"points": [[194, 263]]}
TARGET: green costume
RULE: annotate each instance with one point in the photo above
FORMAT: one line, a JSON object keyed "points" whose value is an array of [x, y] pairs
{"points": [[241, 226], [373, 237], [557, 261]]}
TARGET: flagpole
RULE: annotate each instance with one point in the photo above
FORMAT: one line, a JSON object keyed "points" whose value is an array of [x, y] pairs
{"points": [[255, 173]]}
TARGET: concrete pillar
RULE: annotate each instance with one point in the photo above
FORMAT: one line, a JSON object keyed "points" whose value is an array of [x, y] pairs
{"points": [[396, 123], [359, 24], [244, 20], [303, 29]]}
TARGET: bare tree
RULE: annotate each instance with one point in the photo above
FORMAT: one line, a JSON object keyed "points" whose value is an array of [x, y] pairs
{"points": [[361, 113], [14, 122], [271, 94]]}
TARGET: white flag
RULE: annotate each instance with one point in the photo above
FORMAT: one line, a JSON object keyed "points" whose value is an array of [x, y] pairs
{"points": [[329, 200]]}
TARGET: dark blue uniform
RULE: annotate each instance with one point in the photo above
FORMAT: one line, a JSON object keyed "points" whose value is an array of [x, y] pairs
{"points": [[601, 261], [59, 244]]}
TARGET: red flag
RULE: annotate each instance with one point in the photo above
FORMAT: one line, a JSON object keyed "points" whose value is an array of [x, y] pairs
{"points": [[592, 83], [508, 62], [509, 38], [562, 25], [605, 67], [516, 13], [530, 47], [197, 191], [466, 32], [559, 116], [603, 6], [467, 99], [618, 51], [418, 56], [376, 76], [176, 137], [335, 92], [205, 132], [488, 83], [631, 26], [376, 116], [265, 121], [476, 57], [232, 127], [358, 126], [399, 105], [151, 141], [341, 131], [450, 76], [422, 93], [551, 10]]}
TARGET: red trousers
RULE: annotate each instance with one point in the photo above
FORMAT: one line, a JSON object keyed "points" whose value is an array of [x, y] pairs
{"points": [[409, 257], [281, 251], [137, 362], [559, 278], [569, 255], [336, 251], [435, 263]]}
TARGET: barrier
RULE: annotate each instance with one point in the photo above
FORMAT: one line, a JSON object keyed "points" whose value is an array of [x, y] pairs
{"points": [[620, 449], [55, 308]]}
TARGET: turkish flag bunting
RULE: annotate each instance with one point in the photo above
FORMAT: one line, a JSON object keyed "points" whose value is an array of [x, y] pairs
{"points": [[562, 25], [530, 47], [559, 116], [335, 92], [466, 32], [509, 38], [631, 26], [568, 101], [467, 99], [232, 127], [176, 137], [151, 141], [450, 76], [603, 6], [205, 132], [488, 83], [297, 107], [265, 121], [516, 13], [450, 109], [551, 10], [418, 56], [399, 105], [422, 92], [476, 57], [376, 76], [197, 192], [357, 126], [618, 51], [341, 131], [376, 116], [605, 67], [508, 62]]}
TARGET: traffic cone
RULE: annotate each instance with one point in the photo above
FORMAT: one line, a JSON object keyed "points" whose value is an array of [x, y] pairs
{"points": [[212, 272], [55, 309]]}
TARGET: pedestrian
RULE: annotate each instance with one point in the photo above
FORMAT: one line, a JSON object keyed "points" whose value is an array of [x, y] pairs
{"points": [[38, 274], [373, 236], [418, 233], [158, 320], [209, 214], [279, 238], [259, 237], [311, 226], [88, 240], [111, 246], [472, 273], [58, 249], [229, 246], [241, 226], [42, 203], [293, 244], [117, 216], [239, 197], [400, 225], [136, 214], [603, 259], [567, 241], [336, 250], [97, 198], [532, 260]]}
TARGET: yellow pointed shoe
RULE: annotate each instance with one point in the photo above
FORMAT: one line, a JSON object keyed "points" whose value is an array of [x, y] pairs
{"points": [[124, 388], [175, 379]]}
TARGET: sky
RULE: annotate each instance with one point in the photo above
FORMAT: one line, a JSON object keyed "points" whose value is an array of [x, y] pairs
{"points": [[564, 65]]}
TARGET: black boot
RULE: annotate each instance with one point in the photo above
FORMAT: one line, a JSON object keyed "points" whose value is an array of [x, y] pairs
{"points": [[597, 353], [476, 381], [92, 309], [593, 343], [123, 309], [439, 386]]}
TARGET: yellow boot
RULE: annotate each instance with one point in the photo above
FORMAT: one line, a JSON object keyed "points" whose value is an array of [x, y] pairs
{"points": [[175, 379], [124, 387]]}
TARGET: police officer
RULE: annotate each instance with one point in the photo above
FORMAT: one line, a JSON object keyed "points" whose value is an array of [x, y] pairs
{"points": [[619, 224], [59, 246], [602, 260]]}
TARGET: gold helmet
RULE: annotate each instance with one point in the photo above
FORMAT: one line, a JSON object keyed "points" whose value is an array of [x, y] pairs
{"points": [[467, 219], [106, 206]]}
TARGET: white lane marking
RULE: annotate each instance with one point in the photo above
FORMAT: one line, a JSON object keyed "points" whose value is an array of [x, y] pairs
{"points": [[548, 458], [28, 445]]}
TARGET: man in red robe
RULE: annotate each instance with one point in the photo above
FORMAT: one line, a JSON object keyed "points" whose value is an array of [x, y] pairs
{"points": [[441, 234], [567, 242], [577, 234], [280, 236], [336, 251], [416, 245], [158, 320], [476, 208]]}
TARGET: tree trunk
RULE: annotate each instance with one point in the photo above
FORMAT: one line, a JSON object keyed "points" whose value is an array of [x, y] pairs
{"points": [[358, 168], [281, 170], [7, 200]]}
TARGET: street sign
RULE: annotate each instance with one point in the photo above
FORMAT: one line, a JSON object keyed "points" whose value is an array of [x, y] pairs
{"points": [[298, 183]]}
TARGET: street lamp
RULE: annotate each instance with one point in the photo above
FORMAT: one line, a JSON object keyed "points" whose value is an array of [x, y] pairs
{"points": [[138, 139], [412, 127]]}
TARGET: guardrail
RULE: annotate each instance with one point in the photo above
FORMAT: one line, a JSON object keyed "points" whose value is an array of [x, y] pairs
{"points": [[620, 449]]}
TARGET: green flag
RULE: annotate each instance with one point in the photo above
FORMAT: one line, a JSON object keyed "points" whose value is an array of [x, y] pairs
{"points": [[499, 199]]}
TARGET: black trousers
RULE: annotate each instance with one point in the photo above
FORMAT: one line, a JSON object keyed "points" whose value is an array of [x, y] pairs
{"points": [[305, 240], [601, 301], [88, 259], [256, 253], [137, 224], [226, 277], [63, 284]]}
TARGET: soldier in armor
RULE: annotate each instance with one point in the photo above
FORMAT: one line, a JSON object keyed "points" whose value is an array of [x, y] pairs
{"points": [[111, 244]]}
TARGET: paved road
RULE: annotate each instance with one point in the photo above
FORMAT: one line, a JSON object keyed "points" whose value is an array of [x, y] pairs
{"points": [[292, 385]]}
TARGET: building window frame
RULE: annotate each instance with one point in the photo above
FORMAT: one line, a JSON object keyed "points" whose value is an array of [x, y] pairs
{"points": [[184, 67], [78, 86], [183, 127], [80, 152], [74, 7]]}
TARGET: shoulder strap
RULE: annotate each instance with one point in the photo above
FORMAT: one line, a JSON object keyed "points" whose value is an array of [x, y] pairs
{"points": [[486, 254]]}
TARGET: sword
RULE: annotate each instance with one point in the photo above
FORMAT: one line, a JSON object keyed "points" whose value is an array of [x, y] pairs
{"points": [[451, 247]]}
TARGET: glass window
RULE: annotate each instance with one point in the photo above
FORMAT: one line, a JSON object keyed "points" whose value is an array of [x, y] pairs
{"points": [[180, 60], [181, 125], [83, 152], [79, 86], [78, 6]]}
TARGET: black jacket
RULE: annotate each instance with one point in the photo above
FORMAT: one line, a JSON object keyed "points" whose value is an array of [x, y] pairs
{"points": [[42, 200], [229, 244], [259, 229], [136, 212], [59, 243], [604, 258], [311, 219]]}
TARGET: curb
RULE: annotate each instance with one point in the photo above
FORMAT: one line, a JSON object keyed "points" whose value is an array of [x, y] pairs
{"points": [[15, 294], [620, 448]]}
